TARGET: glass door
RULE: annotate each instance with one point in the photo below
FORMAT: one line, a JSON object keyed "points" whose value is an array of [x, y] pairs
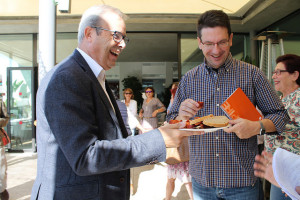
{"points": [[21, 106]]}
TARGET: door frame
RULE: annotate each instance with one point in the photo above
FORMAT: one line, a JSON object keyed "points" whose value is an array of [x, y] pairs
{"points": [[34, 84]]}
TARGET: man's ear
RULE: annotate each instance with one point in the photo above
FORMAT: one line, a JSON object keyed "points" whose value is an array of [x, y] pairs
{"points": [[88, 33], [230, 39], [200, 45]]}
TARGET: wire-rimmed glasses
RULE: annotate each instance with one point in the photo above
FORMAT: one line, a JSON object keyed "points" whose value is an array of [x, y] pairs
{"points": [[221, 44], [117, 36]]}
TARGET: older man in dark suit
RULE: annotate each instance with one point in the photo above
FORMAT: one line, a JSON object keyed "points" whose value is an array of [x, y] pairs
{"points": [[83, 148]]}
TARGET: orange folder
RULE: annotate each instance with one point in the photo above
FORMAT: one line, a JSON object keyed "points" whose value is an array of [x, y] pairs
{"points": [[238, 105]]}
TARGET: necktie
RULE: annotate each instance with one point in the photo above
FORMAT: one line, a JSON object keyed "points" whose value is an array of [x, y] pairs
{"points": [[101, 79]]}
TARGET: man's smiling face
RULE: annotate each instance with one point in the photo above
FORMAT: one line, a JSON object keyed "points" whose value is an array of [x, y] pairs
{"points": [[103, 49], [215, 54]]}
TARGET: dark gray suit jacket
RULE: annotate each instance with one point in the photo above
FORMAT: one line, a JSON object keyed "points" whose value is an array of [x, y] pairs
{"points": [[83, 148]]}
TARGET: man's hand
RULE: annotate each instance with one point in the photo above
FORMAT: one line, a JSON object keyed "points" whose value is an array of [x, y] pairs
{"points": [[173, 137], [188, 108], [263, 167], [243, 128]]}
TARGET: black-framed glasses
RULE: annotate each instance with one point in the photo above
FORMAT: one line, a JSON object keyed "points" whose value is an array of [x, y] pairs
{"points": [[278, 72], [128, 93], [117, 36], [221, 44]]}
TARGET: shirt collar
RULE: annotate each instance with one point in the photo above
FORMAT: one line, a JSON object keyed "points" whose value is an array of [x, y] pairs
{"points": [[95, 67], [227, 64]]}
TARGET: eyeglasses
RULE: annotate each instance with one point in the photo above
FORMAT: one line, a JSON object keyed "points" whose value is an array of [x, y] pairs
{"points": [[149, 91], [117, 36], [221, 44], [278, 72], [128, 93]]}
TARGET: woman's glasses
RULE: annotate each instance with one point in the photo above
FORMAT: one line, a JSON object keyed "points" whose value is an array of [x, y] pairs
{"points": [[278, 72], [149, 91], [128, 93]]}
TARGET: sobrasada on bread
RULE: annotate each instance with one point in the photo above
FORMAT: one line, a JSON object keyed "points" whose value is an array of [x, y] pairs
{"points": [[208, 121]]}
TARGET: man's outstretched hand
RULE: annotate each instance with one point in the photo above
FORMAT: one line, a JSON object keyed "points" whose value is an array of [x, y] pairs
{"points": [[173, 136]]}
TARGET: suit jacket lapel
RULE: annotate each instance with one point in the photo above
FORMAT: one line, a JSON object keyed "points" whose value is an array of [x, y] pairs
{"points": [[119, 122], [118, 113]]}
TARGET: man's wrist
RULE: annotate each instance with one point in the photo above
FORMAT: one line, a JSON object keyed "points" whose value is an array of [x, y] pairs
{"points": [[262, 130]]}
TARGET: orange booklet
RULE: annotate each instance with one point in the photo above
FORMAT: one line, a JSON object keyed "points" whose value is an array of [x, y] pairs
{"points": [[238, 105]]}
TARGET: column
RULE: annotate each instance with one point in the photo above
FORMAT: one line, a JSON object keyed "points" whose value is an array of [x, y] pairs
{"points": [[47, 36]]}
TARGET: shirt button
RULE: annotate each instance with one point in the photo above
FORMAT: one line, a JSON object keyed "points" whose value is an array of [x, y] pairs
{"points": [[122, 180], [218, 89], [217, 138], [217, 154], [218, 105]]}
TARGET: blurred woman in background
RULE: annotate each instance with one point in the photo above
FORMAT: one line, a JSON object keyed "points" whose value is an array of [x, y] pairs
{"points": [[151, 107], [132, 110], [180, 170]]}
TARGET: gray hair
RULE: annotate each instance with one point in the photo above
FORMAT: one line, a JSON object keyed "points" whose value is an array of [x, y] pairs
{"points": [[91, 17]]}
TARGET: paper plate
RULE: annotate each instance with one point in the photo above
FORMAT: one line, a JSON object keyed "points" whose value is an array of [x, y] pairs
{"points": [[206, 130]]}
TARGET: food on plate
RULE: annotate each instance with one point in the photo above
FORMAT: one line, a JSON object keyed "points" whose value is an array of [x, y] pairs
{"points": [[174, 121], [208, 121], [216, 121], [200, 119], [201, 104]]}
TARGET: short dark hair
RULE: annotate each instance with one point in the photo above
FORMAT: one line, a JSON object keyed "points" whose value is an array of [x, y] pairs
{"points": [[291, 63], [213, 18]]}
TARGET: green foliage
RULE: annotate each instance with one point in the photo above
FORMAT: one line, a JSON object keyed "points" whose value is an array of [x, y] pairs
{"points": [[248, 59], [16, 85], [136, 86]]}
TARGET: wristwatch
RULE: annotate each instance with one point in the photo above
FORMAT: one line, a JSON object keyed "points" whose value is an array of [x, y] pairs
{"points": [[262, 128]]}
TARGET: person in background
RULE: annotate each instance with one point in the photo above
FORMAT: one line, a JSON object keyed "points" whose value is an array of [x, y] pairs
{"points": [[3, 163], [83, 147], [124, 113], [180, 170], [151, 107], [286, 77], [221, 162], [131, 105]]}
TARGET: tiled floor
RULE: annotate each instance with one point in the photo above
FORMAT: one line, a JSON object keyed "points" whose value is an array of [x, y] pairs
{"points": [[21, 174], [149, 181]]}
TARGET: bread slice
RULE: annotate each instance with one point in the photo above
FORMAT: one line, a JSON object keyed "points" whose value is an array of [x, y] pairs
{"points": [[200, 119], [216, 121]]}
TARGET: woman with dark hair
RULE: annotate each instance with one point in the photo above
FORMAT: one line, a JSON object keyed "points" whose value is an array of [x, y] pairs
{"points": [[151, 107], [286, 77]]}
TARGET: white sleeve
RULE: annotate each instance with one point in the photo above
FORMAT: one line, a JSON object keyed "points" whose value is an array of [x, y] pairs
{"points": [[133, 107]]}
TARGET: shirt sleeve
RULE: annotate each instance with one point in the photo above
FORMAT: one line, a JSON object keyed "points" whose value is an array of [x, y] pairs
{"points": [[133, 107]]}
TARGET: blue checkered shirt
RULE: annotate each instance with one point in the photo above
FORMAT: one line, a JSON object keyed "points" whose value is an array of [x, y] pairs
{"points": [[221, 159]]}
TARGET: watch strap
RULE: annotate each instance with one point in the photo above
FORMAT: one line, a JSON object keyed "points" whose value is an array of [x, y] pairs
{"points": [[262, 128]]}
